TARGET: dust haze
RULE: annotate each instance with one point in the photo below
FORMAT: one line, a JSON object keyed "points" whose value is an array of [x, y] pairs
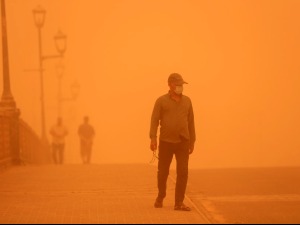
{"points": [[240, 58]]}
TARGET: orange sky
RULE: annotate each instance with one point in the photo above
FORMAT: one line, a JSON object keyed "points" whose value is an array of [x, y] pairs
{"points": [[241, 59]]}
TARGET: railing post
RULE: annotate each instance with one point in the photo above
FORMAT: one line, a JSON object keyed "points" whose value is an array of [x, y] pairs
{"points": [[5, 158], [9, 137], [14, 137], [7, 104]]}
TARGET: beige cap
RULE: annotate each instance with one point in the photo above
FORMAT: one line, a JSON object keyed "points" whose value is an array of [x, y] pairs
{"points": [[176, 78]]}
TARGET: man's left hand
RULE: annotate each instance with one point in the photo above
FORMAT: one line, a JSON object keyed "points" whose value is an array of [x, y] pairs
{"points": [[191, 149]]}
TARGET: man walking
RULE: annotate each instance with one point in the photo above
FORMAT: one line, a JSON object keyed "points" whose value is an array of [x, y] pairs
{"points": [[86, 134], [58, 132], [174, 113]]}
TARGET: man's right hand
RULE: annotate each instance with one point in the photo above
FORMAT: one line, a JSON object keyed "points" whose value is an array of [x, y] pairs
{"points": [[153, 145]]}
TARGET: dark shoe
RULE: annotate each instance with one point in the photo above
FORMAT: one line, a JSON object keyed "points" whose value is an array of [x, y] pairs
{"points": [[158, 203], [182, 207]]}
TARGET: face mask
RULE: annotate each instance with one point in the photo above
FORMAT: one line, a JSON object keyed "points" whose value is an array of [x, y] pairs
{"points": [[178, 90]]}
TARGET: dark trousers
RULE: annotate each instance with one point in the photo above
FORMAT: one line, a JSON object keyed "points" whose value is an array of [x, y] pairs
{"points": [[166, 152], [86, 152], [58, 153]]}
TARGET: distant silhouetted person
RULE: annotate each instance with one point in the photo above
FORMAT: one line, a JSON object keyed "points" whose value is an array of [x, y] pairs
{"points": [[58, 132], [174, 113], [86, 134]]}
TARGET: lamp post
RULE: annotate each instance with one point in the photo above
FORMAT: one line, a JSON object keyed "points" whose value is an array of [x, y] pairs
{"points": [[7, 100], [60, 41], [75, 89], [7, 103]]}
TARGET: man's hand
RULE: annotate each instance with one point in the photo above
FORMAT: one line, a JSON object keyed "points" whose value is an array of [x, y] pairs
{"points": [[153, 145], [191, 148]]}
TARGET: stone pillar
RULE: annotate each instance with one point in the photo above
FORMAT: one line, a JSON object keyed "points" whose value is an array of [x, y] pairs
{"points": [[7, 104]]}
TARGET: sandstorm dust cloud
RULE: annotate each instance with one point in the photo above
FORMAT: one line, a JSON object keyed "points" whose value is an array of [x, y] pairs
{"points": [[240, 58]]}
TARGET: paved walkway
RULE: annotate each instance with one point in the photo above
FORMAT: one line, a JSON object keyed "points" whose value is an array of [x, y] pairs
{"points": [[88, 194]]}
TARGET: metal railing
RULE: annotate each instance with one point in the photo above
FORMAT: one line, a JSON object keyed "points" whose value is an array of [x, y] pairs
{"points": [[31, 148], [19, 143], [5, 153]]}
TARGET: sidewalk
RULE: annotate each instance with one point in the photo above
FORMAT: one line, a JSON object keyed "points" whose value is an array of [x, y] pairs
{"points": [[88, 194]]}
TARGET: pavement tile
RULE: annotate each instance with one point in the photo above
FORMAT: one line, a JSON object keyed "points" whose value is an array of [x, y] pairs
{"points": [[82, 194]]}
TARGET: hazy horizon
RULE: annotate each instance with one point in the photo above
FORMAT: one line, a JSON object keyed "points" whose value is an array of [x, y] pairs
{"points": [[240, 58]]}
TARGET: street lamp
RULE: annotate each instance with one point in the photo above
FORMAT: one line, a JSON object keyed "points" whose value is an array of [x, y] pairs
{"points": [[39, 16], [75, 89], [7, 100], [9, 136], [60, 41]]}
